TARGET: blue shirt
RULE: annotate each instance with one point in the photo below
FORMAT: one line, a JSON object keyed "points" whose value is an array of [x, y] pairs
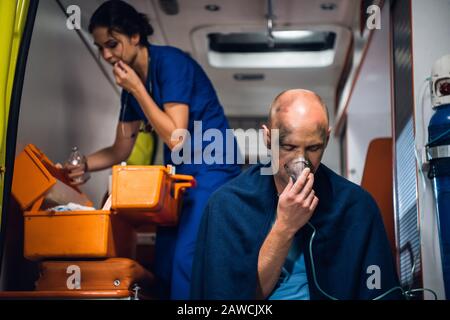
{"points": [[293, 282], [175, 77]]}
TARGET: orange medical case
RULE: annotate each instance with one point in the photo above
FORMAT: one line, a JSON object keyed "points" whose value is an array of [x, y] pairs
{"points": [[77, 234], [141, 195], [148, 194], [37, 185], [106, 275]]}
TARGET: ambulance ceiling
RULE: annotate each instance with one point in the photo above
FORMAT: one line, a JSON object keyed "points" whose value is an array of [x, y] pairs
{"points": [[247, 90]]}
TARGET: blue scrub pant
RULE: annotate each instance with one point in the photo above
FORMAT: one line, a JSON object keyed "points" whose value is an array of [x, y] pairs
{"points": [[175, 246]]}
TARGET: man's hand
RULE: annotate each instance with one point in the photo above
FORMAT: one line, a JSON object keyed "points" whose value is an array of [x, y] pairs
{"points": [[296, 204], [126, 77]]}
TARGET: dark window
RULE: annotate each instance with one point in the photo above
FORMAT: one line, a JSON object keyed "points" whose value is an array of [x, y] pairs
{"points": [[259, 42]]}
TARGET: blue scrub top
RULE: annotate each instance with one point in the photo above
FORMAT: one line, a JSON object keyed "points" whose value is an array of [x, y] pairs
{"points": [[175, 77], [293, 282]]}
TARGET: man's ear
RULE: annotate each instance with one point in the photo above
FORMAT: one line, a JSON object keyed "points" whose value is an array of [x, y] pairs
{"points": [[267, 138], [135, 39], [328, 136]]}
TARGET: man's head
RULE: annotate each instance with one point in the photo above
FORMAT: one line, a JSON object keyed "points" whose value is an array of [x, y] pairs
{"points": [[303, 123]]}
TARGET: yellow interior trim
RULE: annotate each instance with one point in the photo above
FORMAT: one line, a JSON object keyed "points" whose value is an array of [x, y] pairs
{"points": [[12, 23]]}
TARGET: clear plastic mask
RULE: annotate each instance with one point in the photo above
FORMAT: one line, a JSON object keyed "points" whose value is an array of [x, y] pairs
{"points": [[295, 167]]}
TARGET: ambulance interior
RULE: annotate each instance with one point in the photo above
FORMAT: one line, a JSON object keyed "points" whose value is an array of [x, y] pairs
{"points": [[369, 61]]}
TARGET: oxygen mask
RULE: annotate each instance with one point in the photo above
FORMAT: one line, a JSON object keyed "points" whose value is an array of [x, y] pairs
{"points": [[295, 167]]}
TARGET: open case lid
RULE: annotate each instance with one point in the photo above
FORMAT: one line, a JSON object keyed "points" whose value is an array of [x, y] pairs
{"points": [[31, 179], [34, 175]]}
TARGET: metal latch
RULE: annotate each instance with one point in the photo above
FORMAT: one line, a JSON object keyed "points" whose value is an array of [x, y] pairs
{"points": [[135, 290]]}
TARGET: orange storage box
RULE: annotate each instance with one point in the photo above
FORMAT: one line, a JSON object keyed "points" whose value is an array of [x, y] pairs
{"points": [[148, 194], [39, 184], [77, 234]]}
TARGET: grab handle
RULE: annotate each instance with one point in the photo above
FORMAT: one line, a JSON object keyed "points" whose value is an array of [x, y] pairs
{"points": [[182, 182]]}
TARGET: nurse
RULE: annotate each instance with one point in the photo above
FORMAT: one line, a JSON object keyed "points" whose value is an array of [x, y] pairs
{"points": [[167, 90]]}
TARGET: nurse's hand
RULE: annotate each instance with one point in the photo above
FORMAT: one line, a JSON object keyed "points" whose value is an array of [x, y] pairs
{"points": [[296, 204], [126, 77], [77, 175]]}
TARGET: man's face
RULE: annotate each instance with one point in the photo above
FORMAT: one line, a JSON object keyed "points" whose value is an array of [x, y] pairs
{"points": [[114, 46], [300, 138]]}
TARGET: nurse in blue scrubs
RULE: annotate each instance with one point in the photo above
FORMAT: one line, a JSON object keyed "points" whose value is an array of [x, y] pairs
{"points": [[166, 89]]}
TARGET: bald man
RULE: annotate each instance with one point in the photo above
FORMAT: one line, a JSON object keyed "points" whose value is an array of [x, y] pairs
{"points": [[293, 235]]}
